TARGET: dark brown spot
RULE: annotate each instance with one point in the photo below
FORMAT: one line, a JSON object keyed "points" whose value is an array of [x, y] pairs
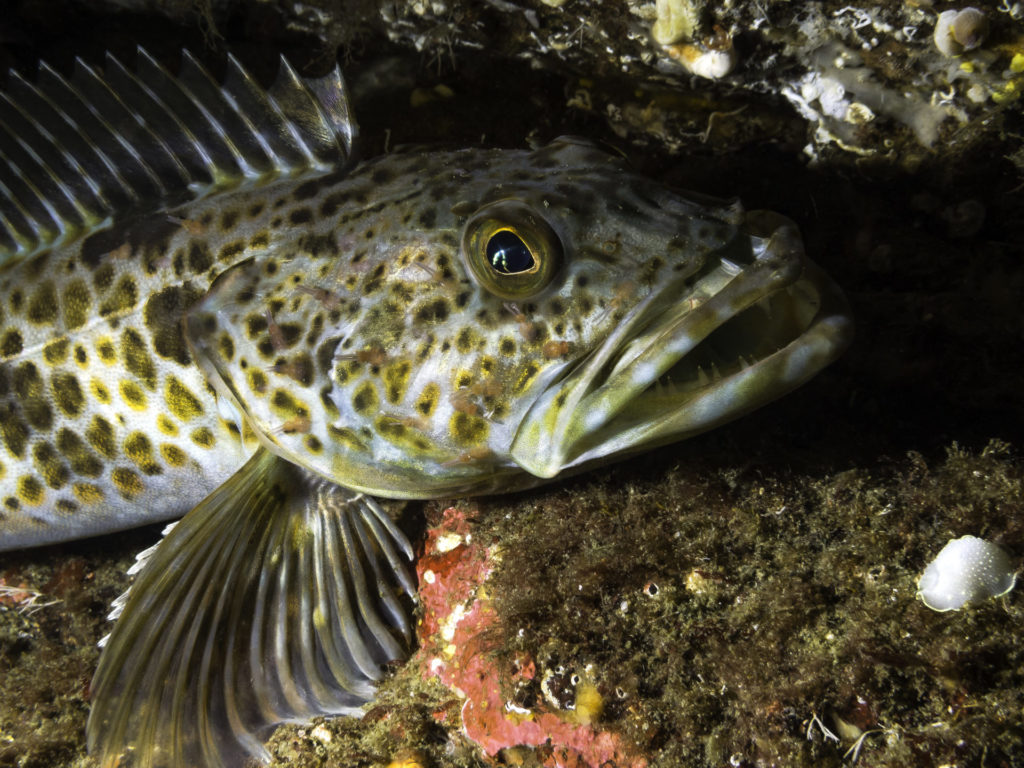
{"points": [[121, 299], [11, 344], [163, 315], [103, 277], [83, 461], [28, 386], [231, 251], [228, 219], [139, 449], [50, 465], [67, 393], [428, 218], [137, 359], [199, 258], [43, 306], [101, 437], [13, 429], [76, 304], [435, 311], [56, 351]]}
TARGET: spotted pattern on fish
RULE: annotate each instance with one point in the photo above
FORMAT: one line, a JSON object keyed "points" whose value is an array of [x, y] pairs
{"points": [[355, 330]]}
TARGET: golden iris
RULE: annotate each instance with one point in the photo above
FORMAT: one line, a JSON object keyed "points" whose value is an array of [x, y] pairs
{"points": [[511, 250]]}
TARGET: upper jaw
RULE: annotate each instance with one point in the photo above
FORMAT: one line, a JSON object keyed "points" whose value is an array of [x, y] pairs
{"points": [[688, 358]]}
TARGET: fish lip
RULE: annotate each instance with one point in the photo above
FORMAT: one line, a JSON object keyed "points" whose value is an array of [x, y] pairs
{"points": [[610, 405]]}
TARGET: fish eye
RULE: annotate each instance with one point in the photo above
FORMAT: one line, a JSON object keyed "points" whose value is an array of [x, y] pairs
{"points": [[511, 250]]}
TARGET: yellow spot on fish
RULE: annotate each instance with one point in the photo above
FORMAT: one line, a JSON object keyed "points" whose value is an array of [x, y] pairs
{"points": [[106, 350], [133, 395], [396, 379], [347, 438], [507, 346], [139, 449], [466, 340], [173, 455], [257, 381], [468, 430], [67, 393], [428, 398], [87, 493], [525, 378], [42, 306], [76, 304], [203, 437], [50, 465], [180, 401], [100, 391], [101, 437], [285, 405], [56, 352], [127, 482], [30, 490], [365, 400], [166, 425]]}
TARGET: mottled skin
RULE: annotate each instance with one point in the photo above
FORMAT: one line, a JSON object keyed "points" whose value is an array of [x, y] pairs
{"points": [[350, 331], [105, 421], [379, 360]]}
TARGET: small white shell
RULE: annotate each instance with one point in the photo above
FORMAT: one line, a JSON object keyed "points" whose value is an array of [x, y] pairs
{"points": [[959, 31], [968, 570], [711, 62]]}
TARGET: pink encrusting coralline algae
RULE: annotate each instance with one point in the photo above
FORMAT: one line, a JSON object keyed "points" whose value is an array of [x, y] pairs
{"points": [[457, 635]]}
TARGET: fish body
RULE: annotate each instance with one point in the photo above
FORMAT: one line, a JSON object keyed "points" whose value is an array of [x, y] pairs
{"points": [[270, 351]]}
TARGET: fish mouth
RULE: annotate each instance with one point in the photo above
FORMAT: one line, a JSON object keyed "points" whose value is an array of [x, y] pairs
{"points": [[757, 321]]}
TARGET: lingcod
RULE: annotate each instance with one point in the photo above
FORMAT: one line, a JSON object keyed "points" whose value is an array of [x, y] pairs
{"points": [[209, 311]]}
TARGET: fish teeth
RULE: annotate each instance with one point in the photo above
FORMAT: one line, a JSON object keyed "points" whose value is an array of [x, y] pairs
{"points": [[731, 266]]}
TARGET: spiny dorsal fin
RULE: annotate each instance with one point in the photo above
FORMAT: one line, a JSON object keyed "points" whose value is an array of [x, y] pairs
{"points": [[77, 153]]}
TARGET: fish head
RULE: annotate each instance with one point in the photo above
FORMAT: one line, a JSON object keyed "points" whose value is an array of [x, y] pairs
{"points": [[487, 319]]}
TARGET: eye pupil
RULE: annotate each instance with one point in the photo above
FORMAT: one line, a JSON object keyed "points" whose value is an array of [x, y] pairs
{"points": [[508, 254]]}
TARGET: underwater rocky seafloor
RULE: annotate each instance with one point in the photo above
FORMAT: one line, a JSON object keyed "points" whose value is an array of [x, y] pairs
{"points": [[743, 598]]}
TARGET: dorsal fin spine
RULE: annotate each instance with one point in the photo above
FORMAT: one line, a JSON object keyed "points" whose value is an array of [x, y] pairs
{"points": [[58, 196], [79, 152]]}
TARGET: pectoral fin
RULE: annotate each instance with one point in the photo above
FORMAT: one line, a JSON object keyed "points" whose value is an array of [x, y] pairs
{"points": [[278, 598]]}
